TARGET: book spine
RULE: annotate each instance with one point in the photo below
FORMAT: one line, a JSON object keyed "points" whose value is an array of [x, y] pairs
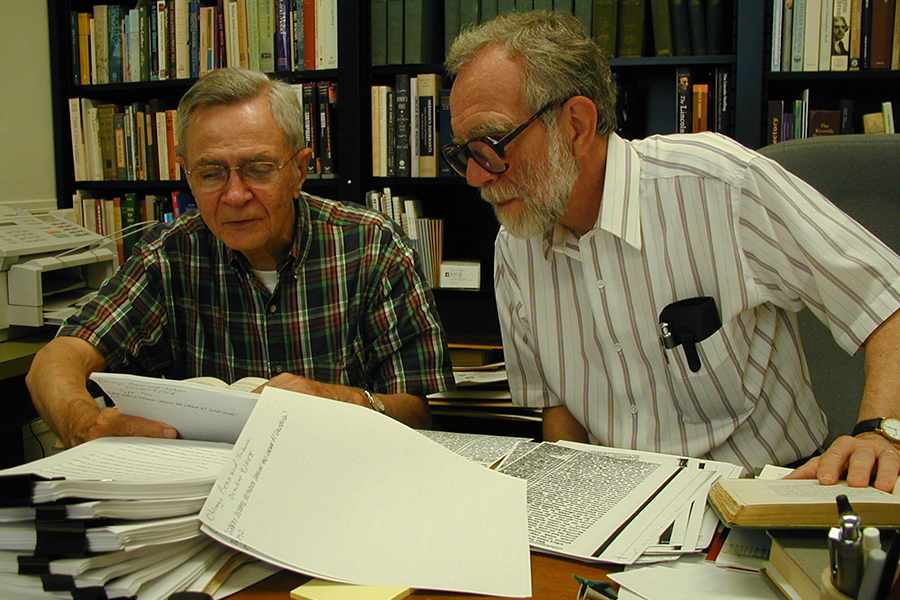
{"points": [[309, 34], [394, 32], [420, 43], [697, 16], [379, 32], [701, 107], [812, 24], [787, 23], [429, 84], [777, 24], [775, 121], [715, 21], [826, 30], [446, 131], [855, 32], [683, 100], [310, 126], [604, 24], [799, 27], [662, 27], [681, 27], [630, 36], [327, 103], [282, 45], [452, 20], [402, 151], [882, 33], [840, 52]]}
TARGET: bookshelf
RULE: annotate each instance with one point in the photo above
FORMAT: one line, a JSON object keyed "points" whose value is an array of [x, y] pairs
{"points": [[857, 81], [469, 316]]}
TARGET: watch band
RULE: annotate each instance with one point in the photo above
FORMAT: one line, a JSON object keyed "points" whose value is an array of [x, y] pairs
{"points": [[374, 401], [866, 426]]}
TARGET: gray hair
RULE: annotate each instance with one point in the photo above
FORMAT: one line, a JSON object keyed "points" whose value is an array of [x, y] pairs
{"points": [[559, 60], [230, 86]]}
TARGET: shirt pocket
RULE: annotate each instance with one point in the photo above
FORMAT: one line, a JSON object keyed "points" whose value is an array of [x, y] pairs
{"points": [[714, 394]]}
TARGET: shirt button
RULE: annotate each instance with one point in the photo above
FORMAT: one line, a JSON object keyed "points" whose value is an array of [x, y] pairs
{"points": [[601, 284], [272, 308], [633, 409], [279, 369], [617, 347]]}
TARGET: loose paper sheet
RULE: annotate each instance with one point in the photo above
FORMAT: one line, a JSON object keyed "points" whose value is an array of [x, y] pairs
{"points": [[196, 410], [340, 492]]}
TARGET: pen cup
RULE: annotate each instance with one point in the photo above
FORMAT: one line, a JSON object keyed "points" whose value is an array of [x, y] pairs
{"points": [[827, 591]]}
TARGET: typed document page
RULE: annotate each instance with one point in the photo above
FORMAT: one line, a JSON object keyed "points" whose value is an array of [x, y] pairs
{"points": [[605, 506], [341, 492]]}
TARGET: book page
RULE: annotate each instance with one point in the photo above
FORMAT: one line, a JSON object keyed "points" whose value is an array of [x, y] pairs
{"points": [[340, 492], [198, 411]]}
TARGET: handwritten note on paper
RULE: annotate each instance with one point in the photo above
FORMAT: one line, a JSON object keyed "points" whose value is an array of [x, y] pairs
{"points": [[197, 411], [340, 492]]}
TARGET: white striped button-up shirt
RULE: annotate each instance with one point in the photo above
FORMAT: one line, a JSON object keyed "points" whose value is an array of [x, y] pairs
{"points": [[685, 216]]}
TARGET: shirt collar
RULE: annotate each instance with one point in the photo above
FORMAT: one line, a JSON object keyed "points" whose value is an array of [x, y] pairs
{"points": [[299, 247], [620, 208]]}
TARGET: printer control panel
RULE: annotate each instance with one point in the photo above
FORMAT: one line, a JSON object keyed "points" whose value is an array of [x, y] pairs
{"points": [[22, 233]]}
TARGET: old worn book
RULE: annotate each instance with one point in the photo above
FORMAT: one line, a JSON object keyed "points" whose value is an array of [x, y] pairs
{"points": [[788, 503]]}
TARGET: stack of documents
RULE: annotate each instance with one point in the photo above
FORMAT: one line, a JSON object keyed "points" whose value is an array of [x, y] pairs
{"points": [[118, 517]]}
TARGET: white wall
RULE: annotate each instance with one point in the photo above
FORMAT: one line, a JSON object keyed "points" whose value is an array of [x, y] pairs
{"points": [[26, 126]]}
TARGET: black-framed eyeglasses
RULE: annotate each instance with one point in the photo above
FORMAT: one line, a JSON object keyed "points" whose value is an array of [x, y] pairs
{"points": [[256, 174], [486, 151]]}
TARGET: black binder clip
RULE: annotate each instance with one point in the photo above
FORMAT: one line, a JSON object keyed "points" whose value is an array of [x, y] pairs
{"points": [[687, 322]]}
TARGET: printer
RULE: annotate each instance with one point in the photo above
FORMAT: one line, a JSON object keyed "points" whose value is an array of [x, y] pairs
{"points": [[49, 267]]}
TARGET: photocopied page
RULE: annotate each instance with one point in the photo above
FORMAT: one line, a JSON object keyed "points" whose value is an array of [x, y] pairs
{"points": [[198, 411], [602, 506], [340, 492]]}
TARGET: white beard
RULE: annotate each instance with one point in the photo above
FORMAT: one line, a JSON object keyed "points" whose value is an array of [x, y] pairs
{"points": [[543, 192]]}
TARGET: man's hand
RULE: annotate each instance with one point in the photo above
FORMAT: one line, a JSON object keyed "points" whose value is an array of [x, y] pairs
{"points": [[406, 408], [298, 383], [110, 422], [860, 457]]}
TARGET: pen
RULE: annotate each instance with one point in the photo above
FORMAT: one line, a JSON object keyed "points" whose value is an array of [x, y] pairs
{"points": [[845, 550]]}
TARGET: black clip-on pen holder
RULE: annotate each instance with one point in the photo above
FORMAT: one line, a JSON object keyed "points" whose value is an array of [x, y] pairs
{"points": [[687, 322]]}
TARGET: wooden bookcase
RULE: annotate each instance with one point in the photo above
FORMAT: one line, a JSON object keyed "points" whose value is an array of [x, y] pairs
{"points": [[469, 317]]}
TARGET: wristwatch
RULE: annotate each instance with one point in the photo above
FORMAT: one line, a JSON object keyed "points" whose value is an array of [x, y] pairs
{"points": [[374, 401], [886, 426]]}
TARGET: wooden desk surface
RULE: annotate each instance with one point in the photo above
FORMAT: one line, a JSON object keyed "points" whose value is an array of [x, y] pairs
{"points": [[551, 579]]}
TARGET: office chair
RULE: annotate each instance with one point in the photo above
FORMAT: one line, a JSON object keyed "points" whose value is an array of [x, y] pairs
{"points": [[861, 175]]}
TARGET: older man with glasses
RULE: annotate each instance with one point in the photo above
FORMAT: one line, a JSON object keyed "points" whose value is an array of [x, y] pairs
{"points": [[608, 244], [316, 296]]}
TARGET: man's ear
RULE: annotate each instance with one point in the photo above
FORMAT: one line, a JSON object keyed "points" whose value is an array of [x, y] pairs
{"points": [[301, 160], [579, 113]]}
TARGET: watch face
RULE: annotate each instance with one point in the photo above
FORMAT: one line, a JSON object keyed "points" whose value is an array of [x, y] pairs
{"points": [[891, 429]]}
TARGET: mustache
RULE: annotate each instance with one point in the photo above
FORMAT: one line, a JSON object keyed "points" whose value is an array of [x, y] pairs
{"points": [[500, 192]]}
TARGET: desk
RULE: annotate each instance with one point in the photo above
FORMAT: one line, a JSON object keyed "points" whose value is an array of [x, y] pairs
{"points": [[551, 579], [16, 355]]}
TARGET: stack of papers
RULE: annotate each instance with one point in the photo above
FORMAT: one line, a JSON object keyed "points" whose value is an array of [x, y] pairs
{"points": [[117, 515]]}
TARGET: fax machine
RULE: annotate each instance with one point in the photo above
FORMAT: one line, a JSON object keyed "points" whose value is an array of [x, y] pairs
{"points": [[48, 267]]}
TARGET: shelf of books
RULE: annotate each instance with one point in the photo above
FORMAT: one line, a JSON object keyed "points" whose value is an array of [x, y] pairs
{"points": [[118, 81], [834, 68]]}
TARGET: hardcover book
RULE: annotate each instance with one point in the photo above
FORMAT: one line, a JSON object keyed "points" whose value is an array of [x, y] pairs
{"points": [[630, 35]]}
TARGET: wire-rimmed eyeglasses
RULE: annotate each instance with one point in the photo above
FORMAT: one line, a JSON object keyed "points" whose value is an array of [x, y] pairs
{"points": [[256, 174], [486, 151]]}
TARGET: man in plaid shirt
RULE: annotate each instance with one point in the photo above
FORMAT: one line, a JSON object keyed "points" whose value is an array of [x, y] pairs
{"points": [[316, 296]]}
